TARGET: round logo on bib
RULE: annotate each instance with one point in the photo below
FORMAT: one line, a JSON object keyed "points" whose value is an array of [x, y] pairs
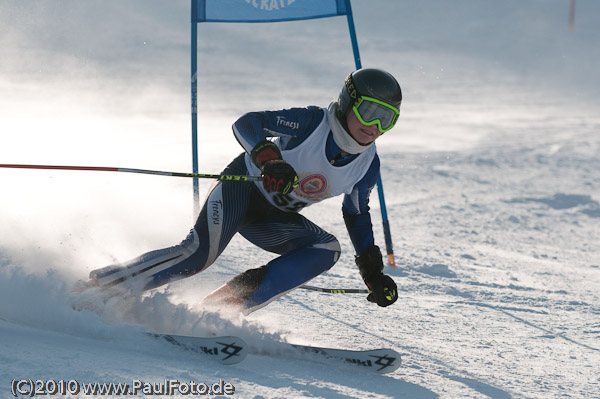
{"points": [[313, 184]]}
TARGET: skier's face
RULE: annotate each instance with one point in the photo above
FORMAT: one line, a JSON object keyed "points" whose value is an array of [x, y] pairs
{"points": [[363, 134]]}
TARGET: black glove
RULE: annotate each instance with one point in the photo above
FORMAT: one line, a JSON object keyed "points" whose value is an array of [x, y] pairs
{"points": [[277, 175], [384, 291]]}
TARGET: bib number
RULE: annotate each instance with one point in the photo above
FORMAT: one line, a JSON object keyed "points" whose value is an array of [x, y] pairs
{"points": [[288, 203]]}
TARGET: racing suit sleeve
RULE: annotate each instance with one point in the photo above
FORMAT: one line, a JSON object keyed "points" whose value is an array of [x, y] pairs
{"points": [[355, 209], [292, 126]]}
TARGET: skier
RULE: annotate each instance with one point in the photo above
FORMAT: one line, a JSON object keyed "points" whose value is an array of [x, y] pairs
{"points": [[313, 154]]}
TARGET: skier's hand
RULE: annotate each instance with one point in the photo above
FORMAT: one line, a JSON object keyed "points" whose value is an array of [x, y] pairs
{"points": [[277, 175], [384, 291]]}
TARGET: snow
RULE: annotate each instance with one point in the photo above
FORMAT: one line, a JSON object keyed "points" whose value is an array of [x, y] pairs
{"points": [[492, 185]]}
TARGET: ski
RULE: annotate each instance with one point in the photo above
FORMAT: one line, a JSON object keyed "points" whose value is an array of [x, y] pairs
{"points": [[232, 350], [224, 349], [380, 361]]}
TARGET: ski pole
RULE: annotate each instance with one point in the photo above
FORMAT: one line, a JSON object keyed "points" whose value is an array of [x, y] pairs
{"points": [[143, 171], [335, 290]]}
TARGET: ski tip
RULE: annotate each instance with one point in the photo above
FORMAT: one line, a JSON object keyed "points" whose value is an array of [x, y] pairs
{"points": [[387, 361], [232, 349]]}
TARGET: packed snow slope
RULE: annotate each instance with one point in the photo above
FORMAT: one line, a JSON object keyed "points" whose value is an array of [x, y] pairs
{"points": [[491, 178]]}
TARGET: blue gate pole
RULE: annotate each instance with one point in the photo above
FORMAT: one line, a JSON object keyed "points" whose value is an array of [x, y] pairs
{"points": [[386, 224], [194, 81]]}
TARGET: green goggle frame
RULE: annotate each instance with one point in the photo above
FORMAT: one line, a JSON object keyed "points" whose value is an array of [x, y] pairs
{"points": [[371, 111]]}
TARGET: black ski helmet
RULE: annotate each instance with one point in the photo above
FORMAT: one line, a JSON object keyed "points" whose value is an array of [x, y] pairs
{"points": [[370, 82]]}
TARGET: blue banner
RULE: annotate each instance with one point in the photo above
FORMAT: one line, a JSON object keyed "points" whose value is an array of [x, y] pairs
{"points": [[266, 10]]}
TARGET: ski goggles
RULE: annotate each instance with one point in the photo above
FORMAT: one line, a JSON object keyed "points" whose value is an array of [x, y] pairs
{"points": [[371, 111]]}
